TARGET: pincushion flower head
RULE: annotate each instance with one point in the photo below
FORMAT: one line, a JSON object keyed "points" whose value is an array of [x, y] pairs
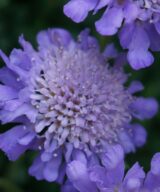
{"points": [[138, 21], [68, 102], [110, 177]]}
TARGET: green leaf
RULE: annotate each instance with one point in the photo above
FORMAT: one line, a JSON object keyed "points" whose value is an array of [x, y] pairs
{"points": [[8, 186]]}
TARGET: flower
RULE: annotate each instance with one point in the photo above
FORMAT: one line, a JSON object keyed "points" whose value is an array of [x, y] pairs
{"points": [[110, 177], [68, 102], [138, 21]]}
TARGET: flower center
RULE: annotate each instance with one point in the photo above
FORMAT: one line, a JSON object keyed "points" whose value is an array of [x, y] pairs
{"points": [[79, 101], [153, 5]]}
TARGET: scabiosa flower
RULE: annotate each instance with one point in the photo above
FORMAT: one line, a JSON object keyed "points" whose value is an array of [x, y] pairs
{"points": [[68, 102], [139, 21], [109, 177]]}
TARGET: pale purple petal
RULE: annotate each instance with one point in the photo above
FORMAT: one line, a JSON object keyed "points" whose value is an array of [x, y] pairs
{"points": [[24, 109], [54, 37], [113, 162], [110, 51], [27, 138], [134, 178], [157, 26], [101, 177], [102, 4], [152, 181], [61, 173], [154, 37], [112, 157], [68, 153], [48, 170], [126, 142], [144, 108], [131, 12], [68, 187], [80, 12], [110, 21], [9, 142], [12, 105], [78, 175], [139, 134], [86, 41], [7, 93], [20, 60], [36, 169], [135, 87], [51, 168], [79, 156], [9, 78], [126, 34], [138, 55], [140, 59]]}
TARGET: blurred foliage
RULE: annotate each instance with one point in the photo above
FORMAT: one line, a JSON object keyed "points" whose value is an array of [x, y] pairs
{"points": [[30, 16]]}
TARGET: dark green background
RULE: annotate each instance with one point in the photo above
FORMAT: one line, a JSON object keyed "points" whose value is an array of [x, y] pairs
{"points": [[29, 17]]}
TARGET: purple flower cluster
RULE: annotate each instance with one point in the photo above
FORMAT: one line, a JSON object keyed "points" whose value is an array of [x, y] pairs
{"points": [[68, 102], [109, 177], [138, 21]]}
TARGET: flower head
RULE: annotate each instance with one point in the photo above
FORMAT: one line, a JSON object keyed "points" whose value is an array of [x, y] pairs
{"points": [[68, 102], [138, 21], [110, 176]]}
